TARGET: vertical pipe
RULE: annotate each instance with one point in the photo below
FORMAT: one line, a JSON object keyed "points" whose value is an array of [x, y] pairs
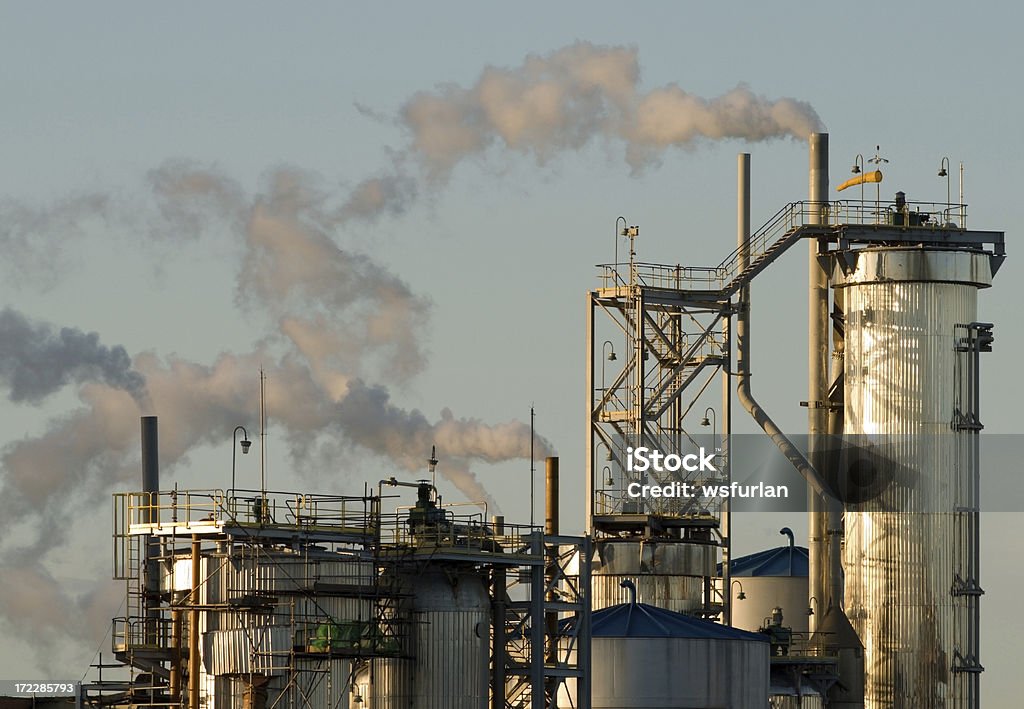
{"points": [[551, 528], [536, 626], [175, 679], [150, 456], [499, 594], [591, 464], [742, 235], [551, 496], [193, 630], [817, 364], [583, 638], [151, 490]]}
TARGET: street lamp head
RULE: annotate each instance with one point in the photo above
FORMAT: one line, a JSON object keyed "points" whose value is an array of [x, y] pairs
{"points": [[245, 443], [705, 421], [611, 356], [741, 597]]}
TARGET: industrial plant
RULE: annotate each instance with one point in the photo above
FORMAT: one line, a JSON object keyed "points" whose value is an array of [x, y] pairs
{"points": [[390, 597]]}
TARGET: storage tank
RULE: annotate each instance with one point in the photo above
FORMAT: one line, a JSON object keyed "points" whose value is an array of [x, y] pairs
{"points": [[901, 555], [444, 618], [266, 640], [769, 579], [670, 574], [644, 657]]}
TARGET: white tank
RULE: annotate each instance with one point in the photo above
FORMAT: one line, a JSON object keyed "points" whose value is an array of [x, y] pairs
{"points": [[645, 658], [774, 578]]}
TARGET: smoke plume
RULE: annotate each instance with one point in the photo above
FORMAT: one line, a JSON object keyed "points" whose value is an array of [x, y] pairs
{"points": [[32, 236], [35, 361], [335, 323], [583, 93]]}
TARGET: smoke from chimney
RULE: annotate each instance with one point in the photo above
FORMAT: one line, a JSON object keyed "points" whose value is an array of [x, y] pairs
{"points": [[35, 361]]}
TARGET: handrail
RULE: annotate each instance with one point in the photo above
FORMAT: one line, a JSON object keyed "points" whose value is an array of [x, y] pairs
{"points": [[786, 221]]}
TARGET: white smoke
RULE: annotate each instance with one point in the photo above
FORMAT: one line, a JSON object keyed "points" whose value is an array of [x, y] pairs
{"points": [[583, 93], [331, 318], [333, 321]]}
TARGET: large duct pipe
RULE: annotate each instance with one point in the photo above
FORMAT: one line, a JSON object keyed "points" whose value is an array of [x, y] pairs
{"points": [[817, 368], [743, 392]]}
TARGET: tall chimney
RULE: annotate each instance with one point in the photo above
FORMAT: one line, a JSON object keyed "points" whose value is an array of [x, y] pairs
{"points": [[817, 368], [150, 515]]}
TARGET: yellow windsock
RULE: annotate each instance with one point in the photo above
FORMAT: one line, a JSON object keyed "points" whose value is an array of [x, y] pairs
{"points": [[875, 176]]}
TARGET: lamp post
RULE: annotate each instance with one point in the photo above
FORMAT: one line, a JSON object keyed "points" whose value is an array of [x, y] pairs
{"points": [[944, 172], [742, 596], [709, 421], [810, 605], [245, 449], [858, 167], [611, 358], [609, 480]]}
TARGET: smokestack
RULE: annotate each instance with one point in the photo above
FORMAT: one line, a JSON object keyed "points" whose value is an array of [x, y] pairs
{"points": [[817, 367], [818, 192], [150, 462], [150, 515], [551, 496], [551, 571]]}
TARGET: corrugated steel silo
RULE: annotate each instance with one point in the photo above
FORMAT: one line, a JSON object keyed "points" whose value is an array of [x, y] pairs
{"points": [[900, 391], [446, 628]]}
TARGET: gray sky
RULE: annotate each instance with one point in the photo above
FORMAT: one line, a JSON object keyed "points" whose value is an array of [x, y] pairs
{"points": [[381, 207]]}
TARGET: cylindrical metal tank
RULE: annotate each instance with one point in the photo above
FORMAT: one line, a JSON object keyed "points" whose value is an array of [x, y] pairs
{"points": [[901, 547], [293, 596], [774, 578], [446, 628], [645, 657], [667, 574]]}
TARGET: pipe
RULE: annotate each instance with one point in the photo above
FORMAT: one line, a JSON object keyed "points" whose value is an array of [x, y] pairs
{"points": [[193, 630], [743, 392], [150, 544], [817, 364], [175, 681], [551, 572], [150, 458], [499, 596], [551, 496]]}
